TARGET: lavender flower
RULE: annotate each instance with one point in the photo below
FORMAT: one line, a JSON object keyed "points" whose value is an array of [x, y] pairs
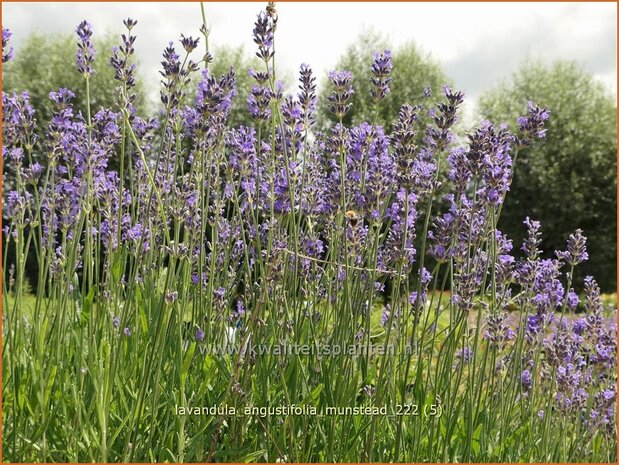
{"points": [[123, 71], [18, 204], [259, 101], [386, 314], [404, 146], [381, 69], [18, 122], [214, 99], [129, 23], [446, 117], [461, 168], [261, 77], [497, 332], [264, 29], [547, 288], [369, 390], [6, 54], [467, 286], [307, 96], [189, 43], [170, 96], [398, 248], [576, 252], [441, 237], [531, 245], [33, 173], [134, 234], [85, 49], [243, 160], [418, 299], [240, 309], [532, 125], [496, 164], [339, 100]]}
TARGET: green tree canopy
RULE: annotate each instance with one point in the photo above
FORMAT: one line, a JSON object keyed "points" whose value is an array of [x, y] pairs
{"points": [[413, 71], [568, 180]]}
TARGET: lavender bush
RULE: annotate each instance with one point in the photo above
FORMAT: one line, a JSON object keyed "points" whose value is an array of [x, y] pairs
{"points": [[165, 287]]}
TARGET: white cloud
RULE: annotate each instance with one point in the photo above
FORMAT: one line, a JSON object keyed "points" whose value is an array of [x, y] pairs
{"points": [[477, 43]]}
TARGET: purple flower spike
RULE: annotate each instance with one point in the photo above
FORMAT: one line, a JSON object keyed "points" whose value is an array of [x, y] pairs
{"points": [[200, 335], [189, 43], [576, 249], [498, 332], [129, 23], [240, 309], [307, 96], [340, 98], [264, 29], [534, 239], [85, 49], [381, 69], [259, 101], [532, 125], [127, 332], [124, 72], [6, 54]]}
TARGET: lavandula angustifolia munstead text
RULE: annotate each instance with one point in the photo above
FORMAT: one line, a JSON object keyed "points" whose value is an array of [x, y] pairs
{"points": [[277, 234]]}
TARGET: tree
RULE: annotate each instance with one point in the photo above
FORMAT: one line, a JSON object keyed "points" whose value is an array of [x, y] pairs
{"points": [[413, 72], [45, 63], [568, 180]]}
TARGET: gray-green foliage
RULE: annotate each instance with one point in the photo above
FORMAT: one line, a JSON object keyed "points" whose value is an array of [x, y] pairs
{"points": [[413, 71], [45, 63], [567, 181]]}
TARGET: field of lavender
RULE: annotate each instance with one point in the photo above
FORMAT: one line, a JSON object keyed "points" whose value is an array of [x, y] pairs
{"points": [[209, 293]]}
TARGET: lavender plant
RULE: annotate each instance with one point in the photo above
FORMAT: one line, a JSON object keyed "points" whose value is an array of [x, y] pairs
{"points": [[167, 286]]}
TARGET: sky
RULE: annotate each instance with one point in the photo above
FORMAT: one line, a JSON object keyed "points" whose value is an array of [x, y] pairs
{"points": [[478, 44]]}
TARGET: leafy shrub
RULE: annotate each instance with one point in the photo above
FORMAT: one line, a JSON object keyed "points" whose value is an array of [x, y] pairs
{"points": [[568, 181]]}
